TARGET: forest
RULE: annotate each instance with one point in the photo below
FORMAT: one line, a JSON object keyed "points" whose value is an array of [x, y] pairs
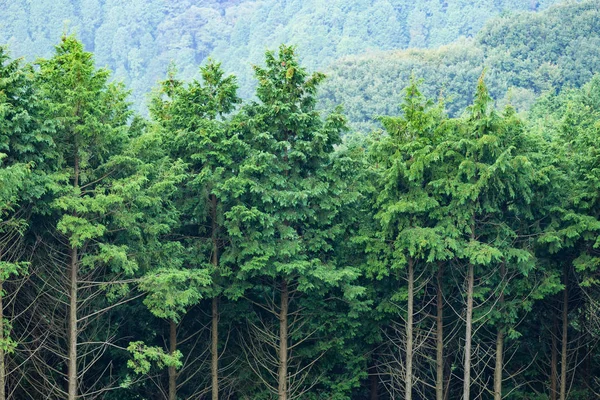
{"points": [[416, 243], [139, 39]]}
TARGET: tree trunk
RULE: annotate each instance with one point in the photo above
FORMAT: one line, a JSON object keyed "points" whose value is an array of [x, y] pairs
{"points": [[409, 331], [500, 343], [565, 325], [72, 371], [215, 307], [439, 319], [2, 367], [554, 361], [374, 383], [172, 370], [499, 365], [73, 281], [468, 333], [283, 342], [215, 349]]}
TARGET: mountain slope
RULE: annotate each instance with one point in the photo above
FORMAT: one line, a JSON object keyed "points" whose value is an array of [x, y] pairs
{"points": [[524, 54], [139, 38]]}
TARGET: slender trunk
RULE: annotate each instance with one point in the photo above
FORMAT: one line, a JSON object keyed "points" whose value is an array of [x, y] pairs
{"points": [[554, 361], [500, 343], [72, 372], [468, 333], [215, 349], [374, 383], [172, 350], [215, 307], [439, 354], [499, 365], [2, 368], [283, 342], [565, 325], [73, 280], [409, 331]]}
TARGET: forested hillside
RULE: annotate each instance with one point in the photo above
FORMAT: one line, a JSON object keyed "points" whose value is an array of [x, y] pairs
{"points": [[524, 55], [138, 39]]}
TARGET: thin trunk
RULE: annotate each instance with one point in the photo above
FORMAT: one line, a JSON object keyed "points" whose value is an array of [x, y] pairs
{"points": [[374, 383], [73, 280], [439, 354], [565, 325], [283, 342], [2, 368], [215, 308], [554, 361], [172, 350], [499, 365], [468, 333], [215, 349], [72, 373], [500, 343], [409, 332]]}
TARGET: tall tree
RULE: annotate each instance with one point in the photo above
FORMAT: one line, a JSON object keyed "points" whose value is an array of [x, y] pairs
{"points": [[101, 192], [24, 145], [283, 223], [192, 119], [485, 172], [408, 160]]}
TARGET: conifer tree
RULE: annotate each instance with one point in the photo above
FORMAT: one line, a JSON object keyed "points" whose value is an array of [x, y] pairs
{"points": [[283, 222], [24, 145], [415, 243], [192, 121], [103, 200]]}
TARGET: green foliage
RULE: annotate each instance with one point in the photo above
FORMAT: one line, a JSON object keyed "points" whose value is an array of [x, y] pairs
{"points": [[525, 54], [144, 357], [138, 40]]}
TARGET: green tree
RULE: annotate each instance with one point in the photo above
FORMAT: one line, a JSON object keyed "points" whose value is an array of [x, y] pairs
{"points": [[414, 242], [282, 225], [103, 193], [192, 120]]}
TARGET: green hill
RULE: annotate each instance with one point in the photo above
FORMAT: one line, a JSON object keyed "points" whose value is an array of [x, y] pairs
{"points": [[525, 54], [138, 39]]}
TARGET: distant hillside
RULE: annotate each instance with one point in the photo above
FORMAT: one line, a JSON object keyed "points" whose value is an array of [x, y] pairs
{"points": [[139, 38], [525, 54]]}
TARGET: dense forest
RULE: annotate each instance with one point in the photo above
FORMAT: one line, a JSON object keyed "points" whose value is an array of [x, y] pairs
{"points": [[139, 39], [434, 237]]}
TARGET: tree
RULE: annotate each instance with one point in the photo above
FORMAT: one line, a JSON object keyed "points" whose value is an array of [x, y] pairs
{"points": [[95, 219], [408, 160], [282, 224], [484, 174], [24, 145], [192, 119]]}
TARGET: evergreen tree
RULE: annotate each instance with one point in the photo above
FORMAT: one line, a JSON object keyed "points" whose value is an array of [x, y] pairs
{"points": [[283, 224]]}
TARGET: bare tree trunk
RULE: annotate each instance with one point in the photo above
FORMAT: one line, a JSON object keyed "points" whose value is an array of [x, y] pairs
{"points": [[2, 367], [554, 361], [374, 383], [73, 281], [215, 349], [215, 308], [499, 343], [565, 323], [499, 365], [283, 342], [439, 354], [409, 331], [72, 372], [468, 333], [172, 370]]}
